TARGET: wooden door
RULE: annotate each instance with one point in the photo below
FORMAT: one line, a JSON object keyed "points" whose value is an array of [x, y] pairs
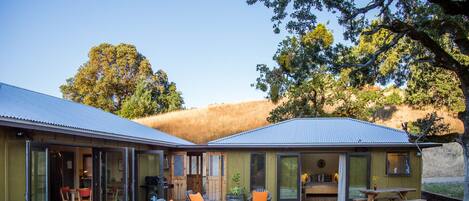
{"points": [[178, 176], [194, 172], [216, 171]]}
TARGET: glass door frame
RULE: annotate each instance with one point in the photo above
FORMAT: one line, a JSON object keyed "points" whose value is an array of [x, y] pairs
{"points": [[298, 180], [97, 154], [30, 147], [134, 161], [366, 155]]}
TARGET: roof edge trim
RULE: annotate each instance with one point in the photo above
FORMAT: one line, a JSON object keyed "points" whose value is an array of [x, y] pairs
{"points": [[26, 124]]}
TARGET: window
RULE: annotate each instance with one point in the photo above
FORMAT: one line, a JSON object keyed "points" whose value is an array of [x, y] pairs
{"points": [[214, 165], [398, 163], [257, 170], [178, 165]]}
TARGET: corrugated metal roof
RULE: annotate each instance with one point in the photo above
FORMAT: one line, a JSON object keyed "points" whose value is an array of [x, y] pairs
{"points": [[32, 107], [318, 131]]}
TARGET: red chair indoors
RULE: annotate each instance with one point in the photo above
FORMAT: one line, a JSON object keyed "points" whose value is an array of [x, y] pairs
{"points": [[65, 193], [84, 194]]}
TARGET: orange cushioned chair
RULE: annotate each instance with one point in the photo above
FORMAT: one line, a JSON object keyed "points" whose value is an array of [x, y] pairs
{"points": [[196, 197], [259, 196]]}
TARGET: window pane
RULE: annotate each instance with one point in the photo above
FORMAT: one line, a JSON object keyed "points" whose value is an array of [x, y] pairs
{"points": [[38, 176], [398, 164], [214, 165], [358, 176], [114, 176], [257, 171], [222, 166], [194, 165], [178, 165], [288, 177], [148, 167]]}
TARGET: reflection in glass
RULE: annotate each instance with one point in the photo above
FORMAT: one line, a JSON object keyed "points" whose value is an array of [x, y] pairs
{"points": [[288, 178], [214, 165], [114, 176], [38, 175], [398, 164], [178, 165], [257, 171], [358, 176], [148, 167]]}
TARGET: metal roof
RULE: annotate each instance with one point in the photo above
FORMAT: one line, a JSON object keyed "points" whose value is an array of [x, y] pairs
{"points": [[316, 132], [24, 108]]}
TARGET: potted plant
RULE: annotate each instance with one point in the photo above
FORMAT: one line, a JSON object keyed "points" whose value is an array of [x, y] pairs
{"points": [[236, 192]]}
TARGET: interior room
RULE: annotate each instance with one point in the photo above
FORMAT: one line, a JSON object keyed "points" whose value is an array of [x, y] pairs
{"points": [[319, 176], [70, 172]]}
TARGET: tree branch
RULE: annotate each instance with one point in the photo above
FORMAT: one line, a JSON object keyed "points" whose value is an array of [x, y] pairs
{"points": [[453, 7], [359, 11], [442, 58], [381, 50], [459, 34]]}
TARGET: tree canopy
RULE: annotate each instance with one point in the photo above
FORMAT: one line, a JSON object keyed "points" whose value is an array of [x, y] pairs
{"points": [[119, 79], [421, 43]]}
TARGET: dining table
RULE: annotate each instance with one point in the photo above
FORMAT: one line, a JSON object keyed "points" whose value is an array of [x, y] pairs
{"points": [[371, 194]]}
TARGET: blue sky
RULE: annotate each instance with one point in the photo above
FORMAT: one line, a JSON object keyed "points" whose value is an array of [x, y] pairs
{"points": [[209, 48]]}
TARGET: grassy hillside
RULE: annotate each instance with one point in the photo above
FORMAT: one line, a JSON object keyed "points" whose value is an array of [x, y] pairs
{"points": [[204, 124]]}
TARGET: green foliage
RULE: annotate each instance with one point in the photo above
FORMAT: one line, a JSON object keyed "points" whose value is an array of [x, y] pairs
{"points": [[140, 104], [109, 79], [236, 190], [306, 86], [393, 96], [417, 43], [434, 86]]}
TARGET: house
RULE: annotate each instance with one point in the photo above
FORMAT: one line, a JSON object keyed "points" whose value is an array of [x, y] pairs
{"points": [[50, 145]]}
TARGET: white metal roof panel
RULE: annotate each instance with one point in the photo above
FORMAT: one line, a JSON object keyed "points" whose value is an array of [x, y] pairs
{"points": [[21, 104], [317, 131]]}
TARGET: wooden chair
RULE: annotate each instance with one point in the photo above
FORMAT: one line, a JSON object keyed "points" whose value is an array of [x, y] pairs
{"points": [[84, 194], [65, 193], [189, 192], [269, 196]]}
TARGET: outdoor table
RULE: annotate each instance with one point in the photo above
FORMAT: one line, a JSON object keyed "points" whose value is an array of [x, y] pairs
{"points": [[402, 192]]}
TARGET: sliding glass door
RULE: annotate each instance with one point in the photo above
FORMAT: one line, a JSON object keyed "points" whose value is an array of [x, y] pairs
{"points": [[110, 174], [358, 175], [148, 173], [288, 177]]}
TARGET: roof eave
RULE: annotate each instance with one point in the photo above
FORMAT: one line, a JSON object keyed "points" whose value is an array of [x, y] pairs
{"points": [[304, 146], [25, 124]]}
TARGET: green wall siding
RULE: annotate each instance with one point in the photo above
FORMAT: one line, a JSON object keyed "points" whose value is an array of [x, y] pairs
{"points": [[239, 162], [379, 177], [12, 162]]}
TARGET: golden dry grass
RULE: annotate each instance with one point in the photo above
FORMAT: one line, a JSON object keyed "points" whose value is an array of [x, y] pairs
{"points": [[215, 121]]}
